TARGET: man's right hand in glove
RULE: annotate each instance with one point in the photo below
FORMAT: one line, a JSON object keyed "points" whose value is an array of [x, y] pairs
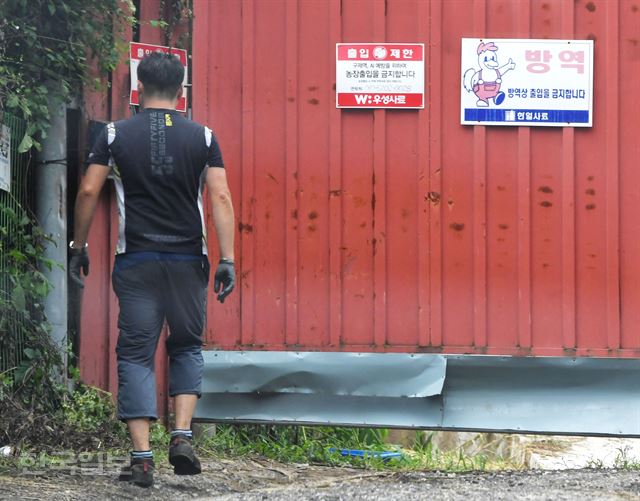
{"points": [[79, 260], [225, 279]]}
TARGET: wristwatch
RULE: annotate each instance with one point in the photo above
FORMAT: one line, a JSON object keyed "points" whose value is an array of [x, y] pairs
{"points": [[75, 250]]}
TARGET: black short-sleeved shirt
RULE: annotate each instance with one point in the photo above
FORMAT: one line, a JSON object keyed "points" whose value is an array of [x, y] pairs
{"points": [[159, 161]]}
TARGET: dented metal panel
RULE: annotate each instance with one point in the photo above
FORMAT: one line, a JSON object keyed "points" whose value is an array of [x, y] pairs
{"points": [[338, 374], [403, 230], [561, 395]]}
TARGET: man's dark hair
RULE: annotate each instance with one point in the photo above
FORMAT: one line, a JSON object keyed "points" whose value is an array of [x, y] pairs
{"points": [[161, 74]]}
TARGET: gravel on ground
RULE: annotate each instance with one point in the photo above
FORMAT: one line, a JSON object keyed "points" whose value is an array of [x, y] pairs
{"points": [[260, 479]]}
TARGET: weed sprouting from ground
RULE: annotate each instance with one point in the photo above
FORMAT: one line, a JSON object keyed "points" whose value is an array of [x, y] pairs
{"points": [[624, 462]]}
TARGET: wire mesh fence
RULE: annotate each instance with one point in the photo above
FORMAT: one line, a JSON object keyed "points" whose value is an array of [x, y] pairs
{"points": [[12, 202]]}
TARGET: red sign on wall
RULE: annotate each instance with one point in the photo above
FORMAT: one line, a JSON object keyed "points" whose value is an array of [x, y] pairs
{"points": [[379, 75], [137, 52]]}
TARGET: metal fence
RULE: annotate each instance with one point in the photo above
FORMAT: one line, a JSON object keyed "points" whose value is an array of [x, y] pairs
{"points": [[12, 339]]}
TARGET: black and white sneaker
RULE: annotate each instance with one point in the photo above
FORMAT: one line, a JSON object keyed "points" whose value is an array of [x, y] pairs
{"points": [[182, 456]]}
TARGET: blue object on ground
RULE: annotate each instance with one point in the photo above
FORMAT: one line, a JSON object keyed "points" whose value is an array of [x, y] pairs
{"points": [[359, 453]]}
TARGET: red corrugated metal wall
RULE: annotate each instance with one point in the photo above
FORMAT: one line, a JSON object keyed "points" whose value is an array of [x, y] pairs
{"points": [[403, 230]]}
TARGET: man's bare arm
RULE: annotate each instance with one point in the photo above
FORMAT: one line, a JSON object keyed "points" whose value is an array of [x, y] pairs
{"points": [[222, 206], [86, 201]]}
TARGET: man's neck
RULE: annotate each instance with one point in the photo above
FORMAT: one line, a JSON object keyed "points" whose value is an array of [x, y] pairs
{"points": [[160, 103]]}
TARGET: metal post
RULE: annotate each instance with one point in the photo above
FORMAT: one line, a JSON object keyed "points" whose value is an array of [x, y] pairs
{"points": [[51, 212]]}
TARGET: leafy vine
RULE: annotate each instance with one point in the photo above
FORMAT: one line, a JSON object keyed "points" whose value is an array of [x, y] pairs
{"points": [[59, 41]]}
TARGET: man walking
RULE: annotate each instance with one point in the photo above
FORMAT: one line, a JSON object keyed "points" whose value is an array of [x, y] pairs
{"points": [[160, 162]]}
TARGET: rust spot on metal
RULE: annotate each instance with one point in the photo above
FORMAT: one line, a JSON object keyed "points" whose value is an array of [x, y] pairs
{"points": [[313, 215], [545, 265], [373, 202], [363, 224], [523, 351], [591, 7], [270, 176], [294, 213], [313, 101], [291, 99], [429, 349], [591, 36], [634, 8], [590, 178], [311, 228], [333, 87], [590, 206], [433, 197], [267, 215], [456, 226], [545, 189], [590, 191], [247, 228], [450, 203], [545, 6], [501, 188], [404, 213], [359, 202], [503, 226], [313, 87], [335, 193], [546, 204]]}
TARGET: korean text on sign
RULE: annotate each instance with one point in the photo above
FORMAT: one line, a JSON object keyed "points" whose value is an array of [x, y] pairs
{"points": [[370, 75], [527, 82]]}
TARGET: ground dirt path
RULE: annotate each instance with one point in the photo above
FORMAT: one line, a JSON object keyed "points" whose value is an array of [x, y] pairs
{"points": [[259, 479]]}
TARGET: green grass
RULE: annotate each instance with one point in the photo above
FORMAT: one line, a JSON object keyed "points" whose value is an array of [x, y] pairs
{"points": [[310, 445], [304, 444]]}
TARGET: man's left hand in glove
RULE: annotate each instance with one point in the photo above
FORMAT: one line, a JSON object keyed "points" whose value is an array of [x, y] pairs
{"points": [[224, 279]]}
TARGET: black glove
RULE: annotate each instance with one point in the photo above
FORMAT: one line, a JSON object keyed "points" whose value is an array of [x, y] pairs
{"points": [[79, 260], [225, 276]]}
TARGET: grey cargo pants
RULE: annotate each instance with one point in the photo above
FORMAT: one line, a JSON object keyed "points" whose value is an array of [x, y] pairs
{"points": [[150, 292]]}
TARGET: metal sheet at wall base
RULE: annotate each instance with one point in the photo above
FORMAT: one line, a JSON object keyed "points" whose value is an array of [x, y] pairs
{"points": [[347, 374], [504, 394], [543, 395], [320, 410]]}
